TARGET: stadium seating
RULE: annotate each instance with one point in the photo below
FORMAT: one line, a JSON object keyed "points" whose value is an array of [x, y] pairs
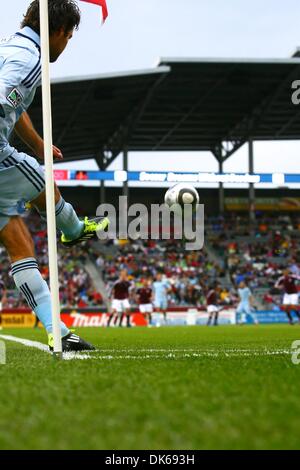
{"points": [[230, 255]]}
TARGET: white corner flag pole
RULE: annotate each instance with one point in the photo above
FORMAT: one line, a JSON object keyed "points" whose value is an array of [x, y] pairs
{"points": [[51, 221]]}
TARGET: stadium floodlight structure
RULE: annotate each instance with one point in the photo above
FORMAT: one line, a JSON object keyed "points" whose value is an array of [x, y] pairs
{"points": [[49, 178]]}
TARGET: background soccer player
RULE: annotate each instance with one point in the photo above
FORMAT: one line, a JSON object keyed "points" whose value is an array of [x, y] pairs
{"points": [[288, 282], [120, 299], [161, 288], [213, 308], [144, 300], [21, 176], [245, 305]]}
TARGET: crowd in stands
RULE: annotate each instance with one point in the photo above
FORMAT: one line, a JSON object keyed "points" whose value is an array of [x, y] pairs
{"points": [[256, 253], [189, 273], [76, 286]]}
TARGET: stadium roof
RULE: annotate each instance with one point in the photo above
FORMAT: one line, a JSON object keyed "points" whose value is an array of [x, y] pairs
{"points": [[183, 104]]}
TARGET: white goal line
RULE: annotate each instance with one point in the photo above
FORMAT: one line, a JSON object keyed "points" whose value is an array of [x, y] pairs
{"points": [[156, 353]]}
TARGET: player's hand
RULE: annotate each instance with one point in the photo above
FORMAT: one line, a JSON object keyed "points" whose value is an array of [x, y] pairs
{"points": [[39, 152], [57, 153]]}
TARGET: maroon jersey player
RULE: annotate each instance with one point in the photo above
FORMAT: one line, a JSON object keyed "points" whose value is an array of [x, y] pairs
{"points": [[120, 298], [288, 283], [144, 298], [212, 300]]}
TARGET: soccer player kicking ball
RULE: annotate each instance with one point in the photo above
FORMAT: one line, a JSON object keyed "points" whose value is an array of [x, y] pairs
{"points": [[21, 176]]}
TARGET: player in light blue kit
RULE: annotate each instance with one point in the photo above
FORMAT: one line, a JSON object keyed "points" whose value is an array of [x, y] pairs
{"points": [[245, 306], [160, 290], [21, 176]]}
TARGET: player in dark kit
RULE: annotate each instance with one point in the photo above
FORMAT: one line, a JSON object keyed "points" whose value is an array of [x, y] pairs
{"points": [[144, 300], [288, 282], [212, 305], [120, 299]]}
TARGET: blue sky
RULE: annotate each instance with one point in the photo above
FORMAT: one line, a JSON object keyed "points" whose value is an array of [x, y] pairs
{"points": [[138, 32]]}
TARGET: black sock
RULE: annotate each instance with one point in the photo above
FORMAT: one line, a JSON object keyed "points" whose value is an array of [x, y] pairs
{"points": [[289, 315]]}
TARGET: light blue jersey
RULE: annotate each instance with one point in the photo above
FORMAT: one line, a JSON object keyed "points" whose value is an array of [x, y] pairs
{"points": [[160, 290], [244, 308], [20, 75], [21, 176], [245, 295]]}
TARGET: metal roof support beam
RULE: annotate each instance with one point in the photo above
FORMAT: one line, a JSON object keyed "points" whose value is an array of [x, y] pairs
{"points": [[75, 114], [227, 148], [190, 112], [221, 191], [288, 124], [105, 158], [123, 133], [245, 128], [125, 168], [251, 185]]}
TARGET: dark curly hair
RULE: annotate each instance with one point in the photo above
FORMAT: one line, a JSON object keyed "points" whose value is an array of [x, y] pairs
{"points": [[63, 14]]}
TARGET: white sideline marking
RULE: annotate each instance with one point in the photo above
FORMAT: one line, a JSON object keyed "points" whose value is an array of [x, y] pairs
{"points": [[150, 353], [26, 342]]}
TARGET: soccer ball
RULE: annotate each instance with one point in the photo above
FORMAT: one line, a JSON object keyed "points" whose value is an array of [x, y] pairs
{"points": [[182, 194]]}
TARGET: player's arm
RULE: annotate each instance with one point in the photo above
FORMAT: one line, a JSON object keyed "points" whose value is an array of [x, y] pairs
{"points": [[24, 128], [278, 284]]}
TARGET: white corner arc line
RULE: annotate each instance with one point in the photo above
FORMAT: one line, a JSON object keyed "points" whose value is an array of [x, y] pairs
{"points": [[43, 347]]}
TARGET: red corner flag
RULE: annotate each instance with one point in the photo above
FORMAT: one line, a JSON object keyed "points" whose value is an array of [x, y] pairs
{"points": [[102, 4]]}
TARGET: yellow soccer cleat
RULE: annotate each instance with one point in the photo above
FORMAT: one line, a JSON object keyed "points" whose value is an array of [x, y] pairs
{"points": [[91, 228]]}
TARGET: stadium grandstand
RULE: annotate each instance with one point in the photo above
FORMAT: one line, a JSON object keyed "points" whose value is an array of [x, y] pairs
{"points": [[182, 105]]}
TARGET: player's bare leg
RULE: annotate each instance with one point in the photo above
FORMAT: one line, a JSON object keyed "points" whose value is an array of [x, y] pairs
{"points": [[127, 314], [216, 318], [19, 245], [111, 317], [287, 310], [73, 230]]}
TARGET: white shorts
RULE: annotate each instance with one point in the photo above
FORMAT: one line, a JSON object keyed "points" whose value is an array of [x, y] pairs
{"points": [[21, 180], [212, 309], [146, 308], [120, 305], [290, 299]]}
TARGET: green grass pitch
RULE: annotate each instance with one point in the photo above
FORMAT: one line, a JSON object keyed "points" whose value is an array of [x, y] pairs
{"points": [[160, 388]]}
